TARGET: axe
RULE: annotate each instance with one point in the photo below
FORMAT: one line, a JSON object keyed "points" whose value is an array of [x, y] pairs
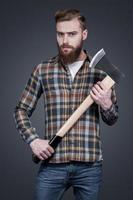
{"points": [[99, 61]]}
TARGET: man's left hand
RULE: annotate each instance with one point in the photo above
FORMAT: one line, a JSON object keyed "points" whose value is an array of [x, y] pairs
{"points": [[101, 96]]}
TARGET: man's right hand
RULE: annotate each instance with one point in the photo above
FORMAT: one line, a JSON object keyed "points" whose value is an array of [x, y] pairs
{"points": [[41, 148]]}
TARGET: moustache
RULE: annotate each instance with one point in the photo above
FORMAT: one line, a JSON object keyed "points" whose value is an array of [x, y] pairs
{"points": [[66, 46]]}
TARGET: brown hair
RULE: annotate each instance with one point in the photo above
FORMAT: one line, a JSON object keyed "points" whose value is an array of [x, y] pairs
{"points": [[67, 15]]}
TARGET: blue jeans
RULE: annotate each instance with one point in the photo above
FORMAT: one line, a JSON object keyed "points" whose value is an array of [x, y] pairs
{"points": [[54, 179]]}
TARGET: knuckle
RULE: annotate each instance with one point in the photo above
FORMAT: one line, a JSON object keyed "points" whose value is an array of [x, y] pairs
{"points": [[45, 156], [48, 154], [40, 157]]}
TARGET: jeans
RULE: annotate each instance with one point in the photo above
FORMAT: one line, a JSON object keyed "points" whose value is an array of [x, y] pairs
{"points": [[54, 179]]}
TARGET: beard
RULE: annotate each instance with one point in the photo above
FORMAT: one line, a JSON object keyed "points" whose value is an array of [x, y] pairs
{"points": [[72, 56]]}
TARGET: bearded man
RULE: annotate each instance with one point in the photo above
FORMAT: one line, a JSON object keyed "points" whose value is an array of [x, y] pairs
{"points": [[65, 80]]}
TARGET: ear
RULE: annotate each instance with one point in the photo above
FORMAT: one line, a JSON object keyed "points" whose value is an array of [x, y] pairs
{"points": [[85, 34]]}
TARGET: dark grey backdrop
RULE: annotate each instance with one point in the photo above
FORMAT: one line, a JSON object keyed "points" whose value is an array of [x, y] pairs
{"points": [[27, 37]]}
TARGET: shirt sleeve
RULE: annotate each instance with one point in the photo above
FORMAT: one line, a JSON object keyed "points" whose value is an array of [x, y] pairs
{"points": [[110, 115], [26, 106]]}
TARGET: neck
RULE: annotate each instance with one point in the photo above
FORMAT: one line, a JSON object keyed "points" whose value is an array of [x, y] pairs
{"points": [[82, 56]]}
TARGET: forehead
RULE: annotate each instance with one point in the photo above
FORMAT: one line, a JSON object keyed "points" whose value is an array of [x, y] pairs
{"points": [[68, 26]]}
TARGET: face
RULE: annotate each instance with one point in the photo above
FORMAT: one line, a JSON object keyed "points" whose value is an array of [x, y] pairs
{"points": [[70, 37]]}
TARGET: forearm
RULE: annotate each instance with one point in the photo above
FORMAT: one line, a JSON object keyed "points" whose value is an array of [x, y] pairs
{"points": [[23, 123], [27, 105], [110, 116], [106, 99]]}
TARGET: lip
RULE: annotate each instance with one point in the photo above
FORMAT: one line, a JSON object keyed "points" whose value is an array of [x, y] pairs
{"points": [[66, 48]]}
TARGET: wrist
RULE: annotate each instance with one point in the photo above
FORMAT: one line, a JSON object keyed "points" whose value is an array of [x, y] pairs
{"points": [[107, 106], [33, 142]]}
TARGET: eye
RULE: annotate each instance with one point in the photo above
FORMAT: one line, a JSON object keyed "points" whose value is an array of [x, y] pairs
{"points": [[60, 34], [71, 34]]}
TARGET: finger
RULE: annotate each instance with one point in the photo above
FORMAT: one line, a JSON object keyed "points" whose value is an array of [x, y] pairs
{"points": [[51, 150], [101, 85], [44, 155], [40, 157], [47, 152], [98, 88], [94, 97], [95, 92]]}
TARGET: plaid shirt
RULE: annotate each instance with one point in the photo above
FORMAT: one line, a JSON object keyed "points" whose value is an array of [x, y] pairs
{"points": [[61, 98]]}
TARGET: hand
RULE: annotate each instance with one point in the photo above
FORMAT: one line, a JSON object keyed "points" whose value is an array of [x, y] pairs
{"points": [[101, 96], [41, 148]]}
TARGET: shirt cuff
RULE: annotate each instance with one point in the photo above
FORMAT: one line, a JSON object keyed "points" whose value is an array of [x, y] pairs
{"points": [[108, 111], [29, 135]]}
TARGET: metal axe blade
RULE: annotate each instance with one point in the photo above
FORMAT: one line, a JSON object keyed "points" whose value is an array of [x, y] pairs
{"points": [[110, 69], [100, 62]]}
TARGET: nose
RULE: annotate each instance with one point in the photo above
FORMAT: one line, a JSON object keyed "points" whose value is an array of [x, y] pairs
{"points": [[65, 39]]}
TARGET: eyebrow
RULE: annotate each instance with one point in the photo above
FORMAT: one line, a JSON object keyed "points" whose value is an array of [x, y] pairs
{"points": [[67, 32]]}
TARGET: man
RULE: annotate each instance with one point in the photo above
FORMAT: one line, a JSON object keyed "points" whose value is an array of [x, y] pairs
{"points": [[65, 81]]}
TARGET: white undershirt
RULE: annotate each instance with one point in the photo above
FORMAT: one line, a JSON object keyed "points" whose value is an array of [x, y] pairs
{"points": [[74, 68]]}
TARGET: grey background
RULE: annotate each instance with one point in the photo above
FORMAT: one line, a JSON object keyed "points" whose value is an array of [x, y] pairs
{"points": [[27, 32]]}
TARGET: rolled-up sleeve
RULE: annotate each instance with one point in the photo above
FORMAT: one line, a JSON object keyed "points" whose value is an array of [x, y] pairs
{"points": [[26, 106], [110, 115]]}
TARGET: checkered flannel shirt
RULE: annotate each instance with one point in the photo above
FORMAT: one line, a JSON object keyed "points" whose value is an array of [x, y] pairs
{"points": [[61, 98]]}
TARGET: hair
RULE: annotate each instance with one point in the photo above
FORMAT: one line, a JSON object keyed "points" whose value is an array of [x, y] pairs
{"points": [[69, 14]]}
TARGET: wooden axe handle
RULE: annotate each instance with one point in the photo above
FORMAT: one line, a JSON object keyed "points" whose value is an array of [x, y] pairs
{"points": [[108, 83]]}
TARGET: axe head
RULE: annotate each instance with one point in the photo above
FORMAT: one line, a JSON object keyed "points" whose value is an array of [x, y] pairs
{"points": [[101, 62]]}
